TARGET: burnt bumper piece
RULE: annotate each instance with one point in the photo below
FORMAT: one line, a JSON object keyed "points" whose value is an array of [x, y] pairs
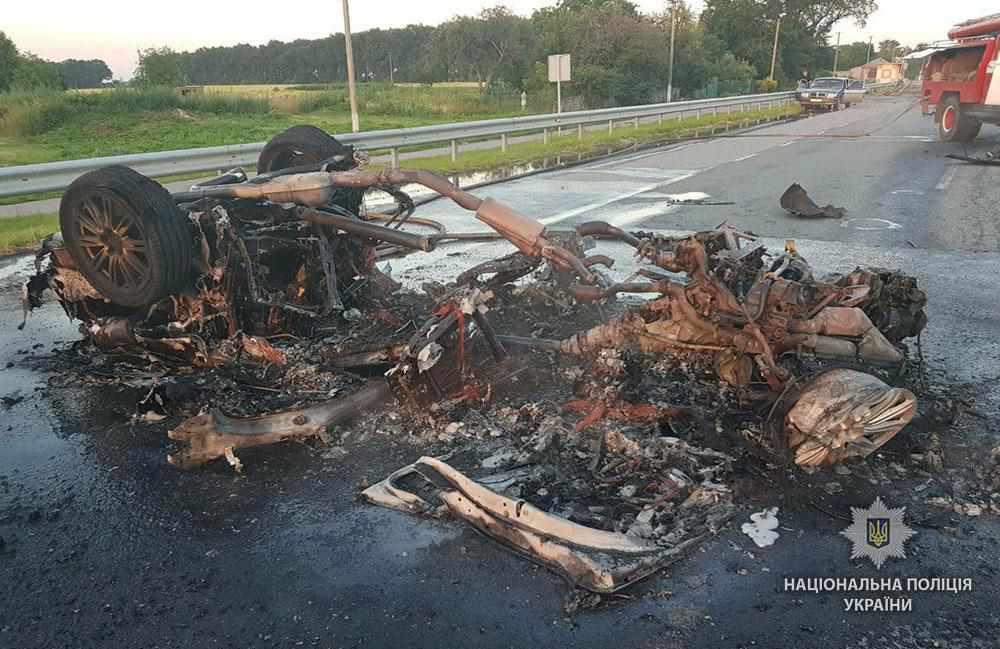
{"points": [[597, 560]]}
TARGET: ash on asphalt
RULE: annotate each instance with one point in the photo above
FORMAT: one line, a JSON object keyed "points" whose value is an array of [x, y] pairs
{"points": [[104, 543]]}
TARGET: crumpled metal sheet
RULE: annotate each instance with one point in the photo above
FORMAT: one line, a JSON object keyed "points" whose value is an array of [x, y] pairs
{"points": [[596, 560], [796, 200], [840, 414]]}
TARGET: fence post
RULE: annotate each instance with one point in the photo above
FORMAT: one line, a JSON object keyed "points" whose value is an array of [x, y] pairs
{"points": [[395, 157], [635, 122], [659, 118], [503, 142], [545, 136], [579, 131], [611, 126], [454, 150]]}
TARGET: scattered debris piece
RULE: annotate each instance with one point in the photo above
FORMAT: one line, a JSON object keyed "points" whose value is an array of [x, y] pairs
{"points": [[213, 435], [797, 201], [763, 527], [990, 158], [596, 560]]}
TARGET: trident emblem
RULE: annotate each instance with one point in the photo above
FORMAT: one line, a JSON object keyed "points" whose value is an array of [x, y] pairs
{"points": [[878, 532]]}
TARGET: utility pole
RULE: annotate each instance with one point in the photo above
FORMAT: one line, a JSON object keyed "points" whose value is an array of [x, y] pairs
{"points": [[774, 52], [673, 31], [869, 50], [355, 125], [392, 80], [836, 55]]}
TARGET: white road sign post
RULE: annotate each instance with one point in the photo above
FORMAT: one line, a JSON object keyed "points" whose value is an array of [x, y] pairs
{"points": [[559, 71]]}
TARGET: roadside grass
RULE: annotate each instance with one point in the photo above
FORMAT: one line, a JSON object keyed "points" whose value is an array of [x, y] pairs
{"points": [[593, 142], [20, 233]]}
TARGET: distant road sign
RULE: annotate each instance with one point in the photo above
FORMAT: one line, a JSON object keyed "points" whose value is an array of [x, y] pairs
{"points": [[559, 67]]}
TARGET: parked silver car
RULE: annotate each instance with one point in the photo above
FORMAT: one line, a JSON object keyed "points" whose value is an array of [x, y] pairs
{"points": [[831, 93]]}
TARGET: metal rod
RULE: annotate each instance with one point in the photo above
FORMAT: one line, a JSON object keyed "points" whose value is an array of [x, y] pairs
{"points": [[367, 230]]}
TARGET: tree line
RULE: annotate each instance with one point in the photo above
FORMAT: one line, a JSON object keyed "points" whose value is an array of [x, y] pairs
{"points": [[620, 54], [25, 71]]}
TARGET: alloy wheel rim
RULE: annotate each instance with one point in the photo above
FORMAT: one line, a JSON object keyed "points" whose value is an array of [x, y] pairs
{"points": [[113, 240]]}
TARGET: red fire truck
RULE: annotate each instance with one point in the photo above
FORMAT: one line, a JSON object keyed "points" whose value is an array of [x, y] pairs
{"points": [[958, 80]]}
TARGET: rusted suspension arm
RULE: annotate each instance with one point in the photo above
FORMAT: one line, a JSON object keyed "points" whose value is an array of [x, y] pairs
{"points": [[367, 230], [605, 230]]}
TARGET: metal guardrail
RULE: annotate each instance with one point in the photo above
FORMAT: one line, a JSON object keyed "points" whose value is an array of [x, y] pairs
{"points": [[56, 176]]}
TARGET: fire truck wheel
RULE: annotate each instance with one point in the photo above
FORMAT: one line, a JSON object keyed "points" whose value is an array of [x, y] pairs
{"points": [[953, 126], [302, 145], [126, 235]]}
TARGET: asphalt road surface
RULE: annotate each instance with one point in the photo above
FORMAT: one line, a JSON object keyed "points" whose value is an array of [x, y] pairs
{"points": [[103, 544]]}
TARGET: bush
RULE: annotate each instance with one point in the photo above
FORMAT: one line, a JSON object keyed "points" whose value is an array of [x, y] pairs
{"points": [[767, 85], [35, 112]]}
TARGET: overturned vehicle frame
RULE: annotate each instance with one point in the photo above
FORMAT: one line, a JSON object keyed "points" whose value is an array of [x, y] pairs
{"points": [[201, 278], [180, 277]]}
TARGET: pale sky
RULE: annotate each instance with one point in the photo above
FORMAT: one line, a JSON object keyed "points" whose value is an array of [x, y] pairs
{"points": [[114, 29]]}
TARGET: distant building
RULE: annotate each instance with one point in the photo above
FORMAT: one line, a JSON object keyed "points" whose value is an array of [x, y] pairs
{"points": [[878, 71]]}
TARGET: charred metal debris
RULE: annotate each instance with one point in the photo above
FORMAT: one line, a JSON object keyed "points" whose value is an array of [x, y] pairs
{"points": [[797, 201], [264, 298]]}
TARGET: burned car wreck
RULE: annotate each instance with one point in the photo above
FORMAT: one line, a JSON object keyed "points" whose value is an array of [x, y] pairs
{"points": [[241, 270]]}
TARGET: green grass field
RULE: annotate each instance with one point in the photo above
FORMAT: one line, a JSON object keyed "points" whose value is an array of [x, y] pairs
{"points": [[49, 126]]}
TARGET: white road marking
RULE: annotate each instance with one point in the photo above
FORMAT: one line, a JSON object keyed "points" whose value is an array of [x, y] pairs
{"points": [[688, 197], [642, 155], [746, 157], [946, 179], [871, 224], [788, 143], [630, 172], [583, 209]]}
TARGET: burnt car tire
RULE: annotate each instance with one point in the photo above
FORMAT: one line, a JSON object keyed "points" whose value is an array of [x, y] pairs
{"points": [[126, 235], [953, 125], [302, 145]]}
